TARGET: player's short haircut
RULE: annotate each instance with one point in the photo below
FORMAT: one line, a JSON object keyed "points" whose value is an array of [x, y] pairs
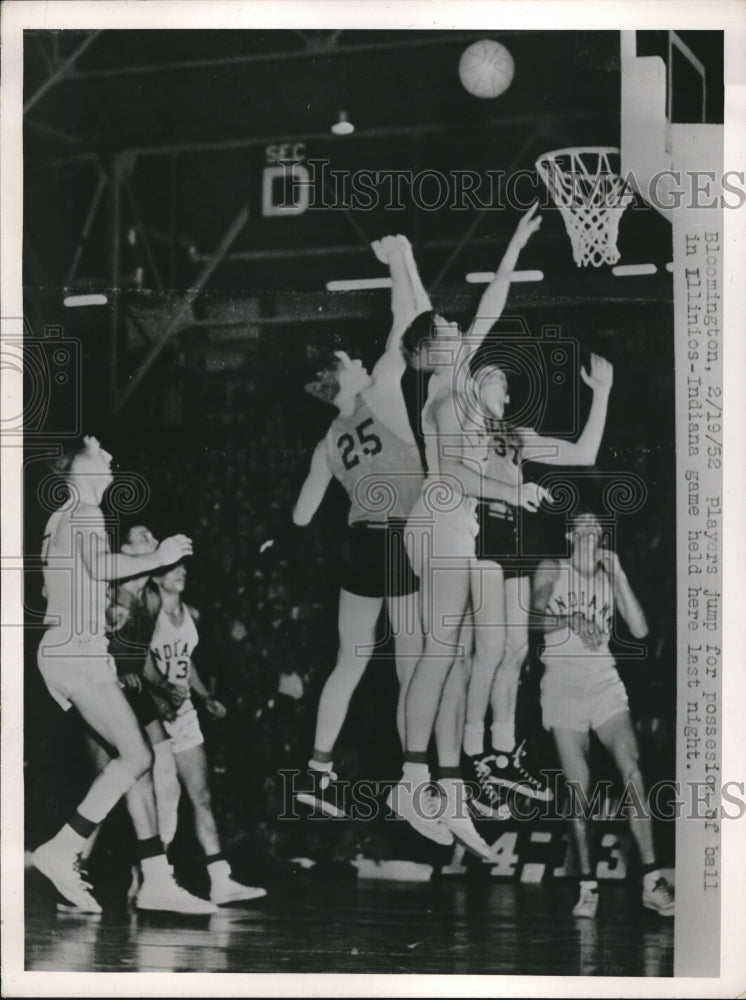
{"points": [[62, 464], [324, 384], [419, 333], [581, 511]]}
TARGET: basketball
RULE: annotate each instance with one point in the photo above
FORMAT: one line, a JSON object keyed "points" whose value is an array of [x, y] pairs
{"points": [[486, 68]]}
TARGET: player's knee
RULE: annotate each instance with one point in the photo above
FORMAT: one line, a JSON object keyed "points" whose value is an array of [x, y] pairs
{"points": [[138, 759], [514, 655]]}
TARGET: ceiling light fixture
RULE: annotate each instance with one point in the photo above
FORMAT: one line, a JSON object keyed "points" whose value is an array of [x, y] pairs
{"points": [[73, 301], [343, 125], [357, 284], [485, 277]]}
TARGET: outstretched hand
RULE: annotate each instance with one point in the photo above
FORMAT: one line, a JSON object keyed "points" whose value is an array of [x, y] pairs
{"points": [[531, 495], [384, 247], [601, 376], [173, 549]]}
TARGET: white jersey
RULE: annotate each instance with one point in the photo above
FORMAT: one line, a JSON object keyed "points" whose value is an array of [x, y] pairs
{"points": [[591, 596], [172, 646], [76, 603]]}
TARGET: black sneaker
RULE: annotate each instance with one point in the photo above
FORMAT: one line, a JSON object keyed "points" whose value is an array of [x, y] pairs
{"points": [[507, 771], [485, 797], [321, 790]]}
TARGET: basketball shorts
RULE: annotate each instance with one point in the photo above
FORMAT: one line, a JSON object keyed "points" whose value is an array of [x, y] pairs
{"points": [[441, 536], [581, 695], [498, 540], [184, 731], [68, 666], [375, 562], [142, 705]]}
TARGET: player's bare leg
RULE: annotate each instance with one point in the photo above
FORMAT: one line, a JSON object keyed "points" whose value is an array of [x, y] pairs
{"points": [[406, 626], [157, 890], [194, 775], [443, 606], [106, 710], [618, 736], [488, 601], [357, 620], [506, 764], [166, 783], [572, 749]]}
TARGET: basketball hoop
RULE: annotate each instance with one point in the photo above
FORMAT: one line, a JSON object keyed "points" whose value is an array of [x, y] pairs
{"points": [[591, 197]]}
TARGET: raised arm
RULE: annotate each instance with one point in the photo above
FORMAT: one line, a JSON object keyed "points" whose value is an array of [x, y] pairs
{"points": [[408, 298], [495, 296], [629, 607], [584, 451], [102, 564], [315, 486]]}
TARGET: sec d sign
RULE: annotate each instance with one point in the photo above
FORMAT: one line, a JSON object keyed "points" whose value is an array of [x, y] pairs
{"points": [[285, 190]]}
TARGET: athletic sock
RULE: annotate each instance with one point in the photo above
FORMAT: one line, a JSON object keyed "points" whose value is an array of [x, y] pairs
{"points": [[320, 761], [449, 771], [415, 773], [167, 790], [153, 861], [217, 868], [503, 737], [67, 840], [105, 792], [81, 825], [474, 739]]}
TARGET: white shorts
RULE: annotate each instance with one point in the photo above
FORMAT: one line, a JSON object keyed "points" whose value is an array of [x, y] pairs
{"points": [[68, 666], [581, 695], [184, 731], [441, 530]]}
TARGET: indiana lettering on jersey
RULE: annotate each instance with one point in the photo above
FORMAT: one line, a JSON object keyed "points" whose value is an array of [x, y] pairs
{"points": [[172, 659], [591, 599]]}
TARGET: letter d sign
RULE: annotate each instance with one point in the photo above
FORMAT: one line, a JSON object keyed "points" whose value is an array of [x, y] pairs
{"points": [[294, 181]]}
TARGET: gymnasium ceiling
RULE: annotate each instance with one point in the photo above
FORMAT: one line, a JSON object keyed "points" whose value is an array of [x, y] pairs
{"points": [[197, 110]]}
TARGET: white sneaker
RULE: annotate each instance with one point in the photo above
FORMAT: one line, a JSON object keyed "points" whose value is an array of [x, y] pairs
{"points": [[63, 871], [166, 895], [422, 811], [457, 818], [228, 890], [587, 903], [657, 895]]}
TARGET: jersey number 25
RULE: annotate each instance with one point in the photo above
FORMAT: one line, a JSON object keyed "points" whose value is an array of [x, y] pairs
{"points": [[370, 444]]}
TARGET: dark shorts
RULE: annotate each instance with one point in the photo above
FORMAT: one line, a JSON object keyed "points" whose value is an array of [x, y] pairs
{"points": [[499, 541], [142, 705], [375, 561]]}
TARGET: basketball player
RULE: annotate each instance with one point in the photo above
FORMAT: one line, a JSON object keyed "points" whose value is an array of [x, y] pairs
{"points": [[440, 535], [574, 600], [172, 644], [131, 621], [500, 579], [135, 609], [370, 449], [77, 669]]}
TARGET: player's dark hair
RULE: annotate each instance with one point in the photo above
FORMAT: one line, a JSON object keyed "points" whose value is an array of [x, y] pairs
{"points": [[419, 332], [62, 463], [582, 510], [324, 384]]}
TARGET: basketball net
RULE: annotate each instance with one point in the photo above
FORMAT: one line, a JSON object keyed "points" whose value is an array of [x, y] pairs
{"points": [[591, 197]]}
